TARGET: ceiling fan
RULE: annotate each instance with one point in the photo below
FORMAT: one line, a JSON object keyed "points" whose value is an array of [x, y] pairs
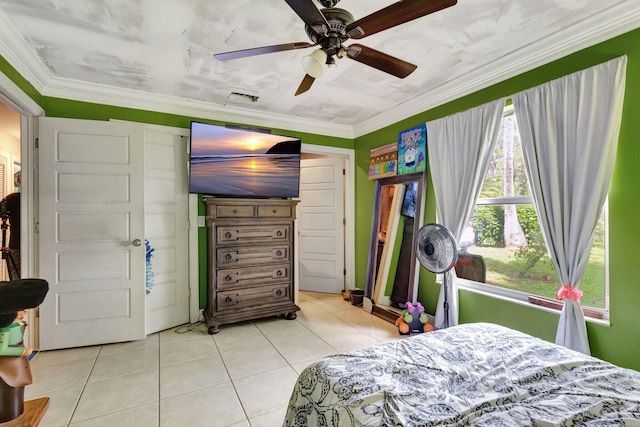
{"points": [[330, 27]]}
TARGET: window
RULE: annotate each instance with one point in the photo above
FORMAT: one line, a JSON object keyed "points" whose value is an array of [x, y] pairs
{"points": [[504, 232]]}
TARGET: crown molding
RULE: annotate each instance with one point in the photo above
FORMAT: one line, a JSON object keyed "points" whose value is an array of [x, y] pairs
{"points": [[13, 96], [616, 20], [18, 53], [130, 98]]}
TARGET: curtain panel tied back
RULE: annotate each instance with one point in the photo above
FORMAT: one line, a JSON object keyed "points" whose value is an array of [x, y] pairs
{"points": [[569, 129]]}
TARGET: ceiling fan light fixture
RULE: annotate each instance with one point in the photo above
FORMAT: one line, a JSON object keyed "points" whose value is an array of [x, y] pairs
{"points": [[328, 3], [313, 64]]}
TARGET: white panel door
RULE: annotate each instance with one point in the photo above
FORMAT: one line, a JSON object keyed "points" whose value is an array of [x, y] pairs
{"points": [[166, 229], [321, 225], [91, 232]]}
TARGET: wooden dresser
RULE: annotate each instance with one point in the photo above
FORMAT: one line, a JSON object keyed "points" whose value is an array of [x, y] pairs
{"points": [[250, 260]]}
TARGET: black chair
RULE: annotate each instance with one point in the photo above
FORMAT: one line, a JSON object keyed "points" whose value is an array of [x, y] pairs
{"points": [[471, 267]]}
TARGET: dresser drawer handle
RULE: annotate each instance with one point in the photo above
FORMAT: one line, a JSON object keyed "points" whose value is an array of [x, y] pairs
{"points": [[228, 257], [275, 211], [279, 273], [235, 211], [279, 233], [279, 292], [279, 253], [227, 235], [228, 299], [228, 278]]}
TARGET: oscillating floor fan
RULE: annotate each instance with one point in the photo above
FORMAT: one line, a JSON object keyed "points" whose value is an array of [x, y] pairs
{"points": [[437, 251]]}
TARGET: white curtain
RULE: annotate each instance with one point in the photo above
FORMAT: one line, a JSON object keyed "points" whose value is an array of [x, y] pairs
{"points": [[569, 129], [460, 147]]}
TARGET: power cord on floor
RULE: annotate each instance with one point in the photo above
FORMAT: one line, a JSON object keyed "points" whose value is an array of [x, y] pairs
{"points": [[191, 327]]}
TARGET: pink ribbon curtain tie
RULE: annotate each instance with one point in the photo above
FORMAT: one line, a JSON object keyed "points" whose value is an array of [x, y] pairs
{"points": [[569, 292]]}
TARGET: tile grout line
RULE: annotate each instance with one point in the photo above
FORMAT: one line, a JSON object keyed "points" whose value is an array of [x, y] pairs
{"points": [[123, 409], [235, 390], [84, 387]]}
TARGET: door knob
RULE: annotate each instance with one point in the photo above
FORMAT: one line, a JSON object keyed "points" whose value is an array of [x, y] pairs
{"points": [[136, 242]]}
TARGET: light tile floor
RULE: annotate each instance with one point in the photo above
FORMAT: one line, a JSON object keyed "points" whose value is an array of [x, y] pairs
{"points": [[242, 376]]}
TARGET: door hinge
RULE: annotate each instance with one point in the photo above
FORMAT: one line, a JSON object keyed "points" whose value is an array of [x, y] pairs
{"points": [[37, 143], [344, 221], [344, 171], [189, 297], [36, 227], [344, 272]]}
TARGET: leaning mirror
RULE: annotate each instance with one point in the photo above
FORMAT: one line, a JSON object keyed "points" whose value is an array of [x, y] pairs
{"points": [[392, 272]]}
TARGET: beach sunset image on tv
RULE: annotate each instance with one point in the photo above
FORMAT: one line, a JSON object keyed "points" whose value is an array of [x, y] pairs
{"points": [[238, 162]]}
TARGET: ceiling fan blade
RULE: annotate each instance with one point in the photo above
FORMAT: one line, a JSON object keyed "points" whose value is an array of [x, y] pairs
{"points": [[310, 14], [305, 85], [260, 50], [395, 14], [381, 61]]}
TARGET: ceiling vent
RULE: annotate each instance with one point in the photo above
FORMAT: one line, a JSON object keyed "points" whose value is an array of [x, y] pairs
{"points": [[243, 97]]}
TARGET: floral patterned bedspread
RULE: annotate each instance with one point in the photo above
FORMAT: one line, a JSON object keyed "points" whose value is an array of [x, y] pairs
{"points": [[474, 374]]}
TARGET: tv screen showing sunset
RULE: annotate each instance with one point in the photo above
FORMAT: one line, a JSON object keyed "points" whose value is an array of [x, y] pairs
{"points": [[238, 162]]}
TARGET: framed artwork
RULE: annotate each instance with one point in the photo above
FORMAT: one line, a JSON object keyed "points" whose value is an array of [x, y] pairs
{"points": [[412, 150], [17, 177], [383, 161]]}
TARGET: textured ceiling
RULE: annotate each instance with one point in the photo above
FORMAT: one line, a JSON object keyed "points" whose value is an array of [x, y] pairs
{"points": [[163, 49]]}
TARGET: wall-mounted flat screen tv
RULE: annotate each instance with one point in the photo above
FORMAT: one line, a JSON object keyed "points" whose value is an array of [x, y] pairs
{"points": [[238, 162]]}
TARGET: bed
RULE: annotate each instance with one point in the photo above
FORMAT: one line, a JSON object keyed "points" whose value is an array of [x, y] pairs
{"points": [[474, 374]]}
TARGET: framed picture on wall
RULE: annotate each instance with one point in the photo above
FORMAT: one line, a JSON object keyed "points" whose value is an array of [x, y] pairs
{"points": [[17, 176], [412, 150], [383, 161]]}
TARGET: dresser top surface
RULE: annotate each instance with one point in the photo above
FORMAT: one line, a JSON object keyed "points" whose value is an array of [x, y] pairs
{"points": [[243, 202]]}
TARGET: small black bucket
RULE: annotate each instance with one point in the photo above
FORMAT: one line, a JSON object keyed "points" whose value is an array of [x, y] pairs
{"points": [[356, 296]]}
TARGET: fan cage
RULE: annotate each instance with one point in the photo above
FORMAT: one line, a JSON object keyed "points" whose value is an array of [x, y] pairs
{"points": [[436, 248]]}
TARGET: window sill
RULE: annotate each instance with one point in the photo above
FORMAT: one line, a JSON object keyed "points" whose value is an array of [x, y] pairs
{"points": [[557, 305], [551, 306]]}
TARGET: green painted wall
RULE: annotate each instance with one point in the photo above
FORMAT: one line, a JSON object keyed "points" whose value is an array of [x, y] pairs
{"points": [[20, 81], [619, 342]]}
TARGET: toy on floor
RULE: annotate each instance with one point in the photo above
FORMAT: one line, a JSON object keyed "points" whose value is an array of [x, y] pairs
{"points": [[11, 339], [413, 320], [15, 297]]}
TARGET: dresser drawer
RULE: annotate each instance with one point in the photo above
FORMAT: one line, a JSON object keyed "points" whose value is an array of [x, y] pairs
{"points": [[231, 257], [275, 211], [235, 278], [240, 211], [253, 233], [246, 298]]}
